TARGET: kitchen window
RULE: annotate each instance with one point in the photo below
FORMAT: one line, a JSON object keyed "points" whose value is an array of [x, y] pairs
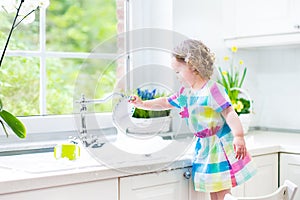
{"points": [[44, 59]]}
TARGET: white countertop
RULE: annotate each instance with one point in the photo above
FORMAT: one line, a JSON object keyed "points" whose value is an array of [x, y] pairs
{"points": [[42, 170], [266, 142]]}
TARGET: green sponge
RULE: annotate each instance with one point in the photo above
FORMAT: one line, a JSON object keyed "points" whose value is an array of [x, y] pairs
{"points": [[70, 151]]}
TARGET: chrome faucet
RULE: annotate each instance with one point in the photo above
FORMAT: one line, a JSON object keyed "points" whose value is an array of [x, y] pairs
{"points": [[92, 140]]}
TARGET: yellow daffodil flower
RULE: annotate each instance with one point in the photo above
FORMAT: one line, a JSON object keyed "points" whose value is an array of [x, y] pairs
{"points": [[238, 106], [234, 49], [226, 58], [224, 73], [241, 62]]}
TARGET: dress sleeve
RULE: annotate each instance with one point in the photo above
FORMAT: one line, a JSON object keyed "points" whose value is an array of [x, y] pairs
{"points": [[177, 99], [220, 98]]}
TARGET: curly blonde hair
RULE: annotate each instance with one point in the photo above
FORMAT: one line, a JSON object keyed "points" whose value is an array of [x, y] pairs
{"points": [[196, 55]]}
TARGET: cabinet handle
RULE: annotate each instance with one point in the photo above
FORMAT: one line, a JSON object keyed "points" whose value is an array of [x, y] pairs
{"points": [[187, 175], [297, 26]]}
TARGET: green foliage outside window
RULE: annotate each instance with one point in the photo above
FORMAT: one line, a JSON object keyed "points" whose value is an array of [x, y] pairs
{"points": [[72, 26], [78, 26]]}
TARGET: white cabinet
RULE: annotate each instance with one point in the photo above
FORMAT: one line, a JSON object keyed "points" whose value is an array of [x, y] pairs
{"points": [[290, 169], [167, 185], [261, 22], [266, 179], [172, 185], [97, 190]]}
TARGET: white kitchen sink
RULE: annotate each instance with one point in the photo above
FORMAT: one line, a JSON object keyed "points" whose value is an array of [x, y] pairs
{"points": [[45, 162]]}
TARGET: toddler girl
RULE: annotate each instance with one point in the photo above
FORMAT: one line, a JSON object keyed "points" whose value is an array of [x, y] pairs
{"points": [[220, 159]]}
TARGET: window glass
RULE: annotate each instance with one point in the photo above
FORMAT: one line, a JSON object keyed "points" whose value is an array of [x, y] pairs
{"points": [[68, 79], [96, 80], [106, 85], [61, 76], [78, 26], [24, 36], [19, 90]]}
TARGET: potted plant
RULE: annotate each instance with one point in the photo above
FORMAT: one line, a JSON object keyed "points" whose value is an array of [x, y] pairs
{"points": [[150, 121], [232, 79], [25, 13]]}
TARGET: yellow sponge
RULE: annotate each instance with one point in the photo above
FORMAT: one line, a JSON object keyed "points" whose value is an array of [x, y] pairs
{"points": [[70, 151]]}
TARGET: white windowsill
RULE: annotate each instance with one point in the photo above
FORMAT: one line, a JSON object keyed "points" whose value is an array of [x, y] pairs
{"points": [[46, 131]]}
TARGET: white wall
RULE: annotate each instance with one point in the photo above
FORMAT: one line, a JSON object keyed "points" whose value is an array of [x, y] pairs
{"points": [[276, 96], [149, 45], [199, 19]]}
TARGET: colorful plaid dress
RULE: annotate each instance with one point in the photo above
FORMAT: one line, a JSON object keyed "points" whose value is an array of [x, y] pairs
{"points": [[215, 167]]}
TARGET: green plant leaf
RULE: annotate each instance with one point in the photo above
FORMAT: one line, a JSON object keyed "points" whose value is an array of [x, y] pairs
{"points": [[3, 126], [1, 105], [243, 77], [229, 80], [236, 79], [14, 123], [225, 84]]}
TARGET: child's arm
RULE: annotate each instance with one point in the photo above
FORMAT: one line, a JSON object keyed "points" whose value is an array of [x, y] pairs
{"points": [[235, 125], [154, 104]]}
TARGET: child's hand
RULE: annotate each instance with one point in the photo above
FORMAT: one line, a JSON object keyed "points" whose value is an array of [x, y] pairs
{"points": [[239, 147], [136, 101]]}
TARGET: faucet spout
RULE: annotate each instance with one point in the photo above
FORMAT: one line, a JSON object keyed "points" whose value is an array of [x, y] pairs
{"points": [[83, 100], [92, 140]]}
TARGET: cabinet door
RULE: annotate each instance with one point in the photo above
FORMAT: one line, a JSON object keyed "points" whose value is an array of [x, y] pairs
{"points": [[266, 179], [290, 169], [105, 189], [169, 185], [257, 17]]}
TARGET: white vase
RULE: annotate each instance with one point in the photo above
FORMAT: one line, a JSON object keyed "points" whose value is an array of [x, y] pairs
{"points": [[245, 121], [150, 125]]}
